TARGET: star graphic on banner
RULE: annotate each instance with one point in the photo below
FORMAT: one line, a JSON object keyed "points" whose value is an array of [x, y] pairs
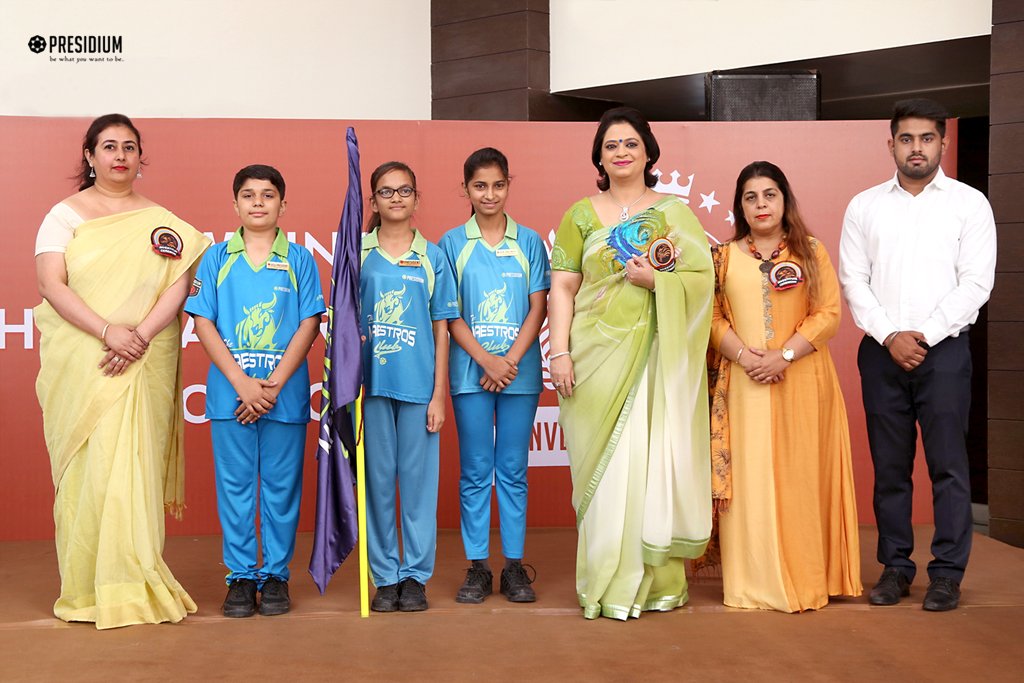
{"points": [[708, 201], [730, 219]]}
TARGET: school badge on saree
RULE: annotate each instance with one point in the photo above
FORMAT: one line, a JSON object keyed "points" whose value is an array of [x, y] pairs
{"points": [[166, 242], [638, 237]]}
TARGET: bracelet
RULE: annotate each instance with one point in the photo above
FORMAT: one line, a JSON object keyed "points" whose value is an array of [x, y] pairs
{"points": [[890, 338], [557, 355], [103, 334], [740, 353]]}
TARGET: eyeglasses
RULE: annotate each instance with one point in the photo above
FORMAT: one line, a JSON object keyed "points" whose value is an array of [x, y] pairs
{"points": [[388, 192]]}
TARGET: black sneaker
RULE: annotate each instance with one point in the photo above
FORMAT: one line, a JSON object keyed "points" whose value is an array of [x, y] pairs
{"points": [[892, 586], [943, 594], [241, 599], [386, 599], [515, 583], [274, 597], [477, 586], [412, 596]]}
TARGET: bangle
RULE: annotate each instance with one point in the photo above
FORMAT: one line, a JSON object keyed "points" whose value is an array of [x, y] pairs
{"points": [[557, 355], [890, 338], [103, 334], [739, 353]]}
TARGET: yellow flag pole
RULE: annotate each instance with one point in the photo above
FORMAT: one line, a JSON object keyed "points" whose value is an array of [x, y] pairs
{"points": [[364, 569]]}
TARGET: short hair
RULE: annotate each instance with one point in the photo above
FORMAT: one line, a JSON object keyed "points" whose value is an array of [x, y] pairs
{"points": [[484, 158], [92, 138], [258, 172], [919, 108], [642, 126]]}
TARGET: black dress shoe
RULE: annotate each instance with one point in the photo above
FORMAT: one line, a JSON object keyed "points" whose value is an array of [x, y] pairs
{"points": [[943, 594], [892, 586]]}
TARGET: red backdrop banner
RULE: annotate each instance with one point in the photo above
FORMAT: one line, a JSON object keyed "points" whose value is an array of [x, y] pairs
{"points": [[190, 167]]}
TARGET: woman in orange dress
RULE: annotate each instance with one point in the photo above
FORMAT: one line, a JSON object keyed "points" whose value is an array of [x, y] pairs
{"points": [[783, 479]]}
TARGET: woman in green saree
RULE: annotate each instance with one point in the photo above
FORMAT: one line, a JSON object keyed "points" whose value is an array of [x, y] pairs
{"points": [[629, 318]]}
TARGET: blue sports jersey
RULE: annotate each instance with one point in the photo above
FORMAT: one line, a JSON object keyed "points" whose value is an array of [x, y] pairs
{"points": [[400, 298], [257, 311], [494, 285]]}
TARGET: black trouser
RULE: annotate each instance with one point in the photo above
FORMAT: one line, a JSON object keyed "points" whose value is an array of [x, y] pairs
{"points": [[936, 394]]}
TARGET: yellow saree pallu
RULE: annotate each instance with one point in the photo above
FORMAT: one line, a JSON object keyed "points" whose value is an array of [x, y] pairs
{"points": [[636, 427], [115, 443]]}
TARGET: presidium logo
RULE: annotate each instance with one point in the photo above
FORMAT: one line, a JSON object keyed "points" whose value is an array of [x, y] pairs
{"points": [[79, 49]]}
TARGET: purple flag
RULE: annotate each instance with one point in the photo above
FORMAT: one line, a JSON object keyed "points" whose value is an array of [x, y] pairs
{"points": [[334, 535]]}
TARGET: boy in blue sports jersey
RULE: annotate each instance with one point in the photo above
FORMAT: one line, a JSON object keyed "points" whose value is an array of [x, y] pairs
{"points": [[408, 297], [503, 276], [256, 301]]}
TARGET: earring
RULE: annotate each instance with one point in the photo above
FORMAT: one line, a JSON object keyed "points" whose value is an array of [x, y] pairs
{"points": [[138, 174], [92, 172]]}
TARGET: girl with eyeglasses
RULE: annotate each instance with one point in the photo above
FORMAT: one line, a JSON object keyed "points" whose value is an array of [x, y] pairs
{"points": [[408, 296], [502, 274]]}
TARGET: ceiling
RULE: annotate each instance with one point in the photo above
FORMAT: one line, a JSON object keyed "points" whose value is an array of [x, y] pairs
{"points": [[861, 85]]}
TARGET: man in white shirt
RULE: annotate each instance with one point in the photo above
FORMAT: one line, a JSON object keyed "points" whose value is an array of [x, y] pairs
{"points": [[917, 261]]}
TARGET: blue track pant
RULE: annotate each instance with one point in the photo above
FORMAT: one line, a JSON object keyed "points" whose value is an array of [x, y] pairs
{"points": [[266, 455], [494, 445], [400, 449]]}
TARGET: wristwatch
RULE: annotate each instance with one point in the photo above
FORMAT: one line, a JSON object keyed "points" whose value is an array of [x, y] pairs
{"points": [[788, 355]]}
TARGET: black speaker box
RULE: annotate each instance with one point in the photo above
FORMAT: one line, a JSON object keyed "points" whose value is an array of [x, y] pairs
{"points": [[762, 96]]}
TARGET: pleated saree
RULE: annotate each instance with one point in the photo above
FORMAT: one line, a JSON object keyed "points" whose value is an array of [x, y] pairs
{"points": [[636, 427], [115, 443]]}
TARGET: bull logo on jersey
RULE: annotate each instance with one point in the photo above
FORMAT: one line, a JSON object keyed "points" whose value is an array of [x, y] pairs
{"points": [[491, 326], [257, 329], [494, 307], [390, 308], [389, 333]]}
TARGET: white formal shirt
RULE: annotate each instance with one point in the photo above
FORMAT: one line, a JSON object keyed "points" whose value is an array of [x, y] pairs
{"points": [[922, 263]]}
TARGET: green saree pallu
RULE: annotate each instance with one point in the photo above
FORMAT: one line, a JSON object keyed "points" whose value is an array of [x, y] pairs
{"points": [[636, 427]]}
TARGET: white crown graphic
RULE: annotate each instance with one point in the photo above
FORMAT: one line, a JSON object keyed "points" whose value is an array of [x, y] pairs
{"points": [[682, 191]]}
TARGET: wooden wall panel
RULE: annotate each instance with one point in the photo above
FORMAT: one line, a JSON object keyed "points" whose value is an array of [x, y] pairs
{"points": [[1010, 256], [1006, 347], [1004, 444], [1005, 11], [1005, 193], [1006, 303], [1007, 98], [1004, 487], [1006, 148], [1006, 58]]}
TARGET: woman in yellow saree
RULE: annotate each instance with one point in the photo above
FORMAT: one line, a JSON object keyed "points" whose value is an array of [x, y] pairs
{"points": [[629, 317], [113, 270]]}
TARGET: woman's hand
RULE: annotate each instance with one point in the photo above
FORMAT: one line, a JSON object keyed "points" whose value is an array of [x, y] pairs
{"points": [[113, 364], [499, 371], [766, 367], [640, 272], [561, 370], [435, 415], [124, 342]]}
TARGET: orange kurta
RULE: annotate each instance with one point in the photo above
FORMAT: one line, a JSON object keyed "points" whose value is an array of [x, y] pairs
{"points": [[789, 538]]}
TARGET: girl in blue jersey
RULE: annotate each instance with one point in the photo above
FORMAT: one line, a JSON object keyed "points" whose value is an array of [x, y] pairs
{"points": [[502, 273], [407, 295]]}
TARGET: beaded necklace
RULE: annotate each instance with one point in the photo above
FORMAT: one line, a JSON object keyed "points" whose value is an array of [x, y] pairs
{"points": [[766, 263]]}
